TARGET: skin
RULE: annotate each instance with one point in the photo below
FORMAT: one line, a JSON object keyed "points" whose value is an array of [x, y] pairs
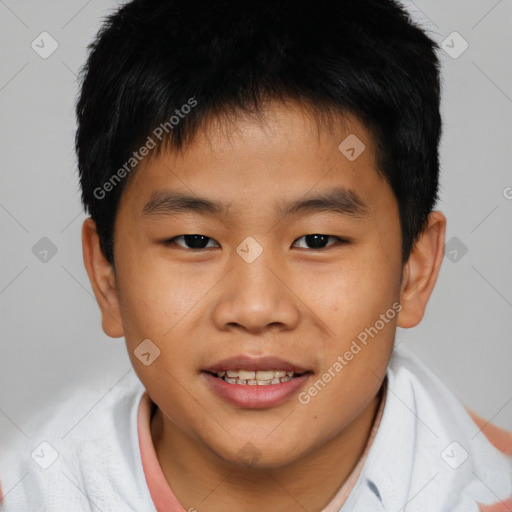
{"points": [[302, 304]]}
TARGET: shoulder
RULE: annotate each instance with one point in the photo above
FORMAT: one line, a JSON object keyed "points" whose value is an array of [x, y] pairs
{"points": [[87, 455], [502, 440], [434, 398], [467, 453]]}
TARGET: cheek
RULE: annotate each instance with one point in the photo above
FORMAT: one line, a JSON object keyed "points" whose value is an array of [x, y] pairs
{"points": [[354, 296], [159, 302], [156, 295], [360, 305]]}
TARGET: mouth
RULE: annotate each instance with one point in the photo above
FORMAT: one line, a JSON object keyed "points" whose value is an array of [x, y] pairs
{"points": [[255, 383]]}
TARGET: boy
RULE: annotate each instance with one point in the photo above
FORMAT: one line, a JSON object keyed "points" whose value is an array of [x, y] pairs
{"points": [[261, 178]]}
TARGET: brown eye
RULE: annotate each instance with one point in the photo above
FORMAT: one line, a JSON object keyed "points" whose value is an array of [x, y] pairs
{"points": [[317, 241], [192, 241]]}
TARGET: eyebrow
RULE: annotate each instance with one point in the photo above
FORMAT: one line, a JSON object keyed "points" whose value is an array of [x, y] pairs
{"points": [[169, 202], [338, 200]]}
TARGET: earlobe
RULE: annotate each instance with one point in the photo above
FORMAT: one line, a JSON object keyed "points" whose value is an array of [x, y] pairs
{"points": [[103, 280], [421, 271]]}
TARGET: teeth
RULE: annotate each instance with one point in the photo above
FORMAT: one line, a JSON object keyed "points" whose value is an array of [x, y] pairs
{"points": [[264, 375], [255, 378], [246, 375]]}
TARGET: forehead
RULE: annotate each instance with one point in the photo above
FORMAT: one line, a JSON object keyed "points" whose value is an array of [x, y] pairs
{"points": [[251, 161]]}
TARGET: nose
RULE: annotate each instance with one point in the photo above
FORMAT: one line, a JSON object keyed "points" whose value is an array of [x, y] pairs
{"points": [[254, 297]]}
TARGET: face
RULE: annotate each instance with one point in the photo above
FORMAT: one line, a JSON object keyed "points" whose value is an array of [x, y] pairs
{"points": [[260, 248]]}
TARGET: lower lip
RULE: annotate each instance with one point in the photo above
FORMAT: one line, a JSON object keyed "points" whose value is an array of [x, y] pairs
{"points": [[255, 397]]}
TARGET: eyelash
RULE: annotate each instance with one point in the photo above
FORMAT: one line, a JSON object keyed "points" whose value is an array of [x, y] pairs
{"points": [[172, 241]]}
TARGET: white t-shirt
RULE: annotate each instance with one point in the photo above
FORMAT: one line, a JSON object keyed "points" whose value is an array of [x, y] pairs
{"points": [[428, 455]]}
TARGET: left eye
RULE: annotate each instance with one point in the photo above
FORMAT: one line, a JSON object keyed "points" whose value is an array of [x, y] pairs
{"points": [[316, 241], [192, 241]]}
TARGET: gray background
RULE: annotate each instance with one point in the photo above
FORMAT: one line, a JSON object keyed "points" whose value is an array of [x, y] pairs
{"points": [[52, 340]]}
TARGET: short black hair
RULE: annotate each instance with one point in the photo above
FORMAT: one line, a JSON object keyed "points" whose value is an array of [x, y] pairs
{"points": [[174, 64]]}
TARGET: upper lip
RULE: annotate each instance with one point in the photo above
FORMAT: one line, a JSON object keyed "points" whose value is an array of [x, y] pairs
{"points": [[243, 362]]}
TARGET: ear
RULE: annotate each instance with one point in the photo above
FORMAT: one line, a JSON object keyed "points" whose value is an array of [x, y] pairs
{"points": [[421, 270], [103, 280]]}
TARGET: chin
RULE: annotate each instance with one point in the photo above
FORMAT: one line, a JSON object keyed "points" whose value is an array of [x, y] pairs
{"points": [[258, 456]]}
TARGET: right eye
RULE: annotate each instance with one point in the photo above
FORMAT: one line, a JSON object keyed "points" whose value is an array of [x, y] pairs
{"points": [[191, 241]]}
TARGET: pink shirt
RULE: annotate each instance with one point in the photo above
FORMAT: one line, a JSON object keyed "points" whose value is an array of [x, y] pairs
{"points": [[164, 498]]}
